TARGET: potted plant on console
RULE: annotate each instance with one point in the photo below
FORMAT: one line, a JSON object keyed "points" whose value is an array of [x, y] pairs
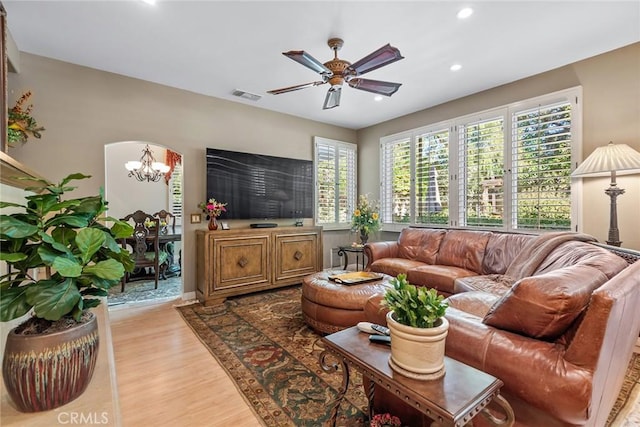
{"points": [[418, 329], [365, 218], [50, 357]]}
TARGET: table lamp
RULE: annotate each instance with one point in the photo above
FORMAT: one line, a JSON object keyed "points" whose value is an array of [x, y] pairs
{"points": [[614, 159]]}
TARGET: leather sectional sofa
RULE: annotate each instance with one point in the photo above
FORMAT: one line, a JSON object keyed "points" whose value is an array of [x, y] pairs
{"points": [[554, 316]]}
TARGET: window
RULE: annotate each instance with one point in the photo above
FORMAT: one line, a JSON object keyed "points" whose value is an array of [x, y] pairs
{"points": [[432, 177], [395, 193], [510, 168], [541, 166], [335, 175], [481, 199], [175, 193]]}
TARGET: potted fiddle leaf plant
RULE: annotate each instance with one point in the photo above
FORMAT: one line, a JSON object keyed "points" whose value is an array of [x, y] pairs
{"points": [[61, 258], [417, 327]]}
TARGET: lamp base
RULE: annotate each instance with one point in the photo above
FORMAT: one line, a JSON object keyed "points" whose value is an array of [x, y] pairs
{"points": [[614, 234]]}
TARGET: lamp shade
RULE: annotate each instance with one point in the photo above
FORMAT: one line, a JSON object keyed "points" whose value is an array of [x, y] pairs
{"points": [[620, 158]]}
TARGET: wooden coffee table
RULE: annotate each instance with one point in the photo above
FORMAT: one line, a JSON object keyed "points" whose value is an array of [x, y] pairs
{"points": [[452, 400]]}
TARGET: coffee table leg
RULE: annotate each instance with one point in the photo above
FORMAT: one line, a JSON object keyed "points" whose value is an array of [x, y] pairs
{"points": [[371, 394], [509, 417], [328, 367]]}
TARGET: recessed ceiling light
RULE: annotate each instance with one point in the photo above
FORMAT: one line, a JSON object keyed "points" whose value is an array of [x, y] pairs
{"points": [[465, 13], [378, 98], [455, 67]]}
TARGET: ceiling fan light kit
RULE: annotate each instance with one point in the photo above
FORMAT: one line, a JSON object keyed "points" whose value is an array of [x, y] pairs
{"points": [[337, 71]]}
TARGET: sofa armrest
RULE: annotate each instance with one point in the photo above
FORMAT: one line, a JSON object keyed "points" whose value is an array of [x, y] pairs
{"points": [[374, 312], [377, 250], [503, 354]]}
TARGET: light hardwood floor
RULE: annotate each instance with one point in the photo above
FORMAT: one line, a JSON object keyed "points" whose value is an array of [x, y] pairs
{"points": [[166, 377]]}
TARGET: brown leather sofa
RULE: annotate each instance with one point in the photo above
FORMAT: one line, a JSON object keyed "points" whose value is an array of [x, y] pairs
{"points": [[553, 316]]}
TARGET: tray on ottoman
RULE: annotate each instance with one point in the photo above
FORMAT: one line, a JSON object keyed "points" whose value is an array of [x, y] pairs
{"points": [[355, 277]]}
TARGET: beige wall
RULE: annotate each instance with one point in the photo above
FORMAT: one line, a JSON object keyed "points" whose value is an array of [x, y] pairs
{"points": [[84, 109], [611, 112]]}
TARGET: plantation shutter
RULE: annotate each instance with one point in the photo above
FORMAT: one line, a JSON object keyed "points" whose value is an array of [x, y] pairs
{"points": [[481, 196], [432, 178], [175, 193], [541, 168], [335, 174], [395, 191]]}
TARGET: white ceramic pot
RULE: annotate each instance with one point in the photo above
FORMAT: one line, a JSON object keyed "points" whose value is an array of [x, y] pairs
{"points": [[417, 352]]}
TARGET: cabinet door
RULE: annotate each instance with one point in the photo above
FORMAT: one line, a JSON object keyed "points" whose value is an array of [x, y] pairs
{"points": [[240, 261], [295, 256]]}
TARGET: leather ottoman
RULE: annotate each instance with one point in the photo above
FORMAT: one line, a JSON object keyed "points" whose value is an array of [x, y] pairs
{"points": [[330, 307]]}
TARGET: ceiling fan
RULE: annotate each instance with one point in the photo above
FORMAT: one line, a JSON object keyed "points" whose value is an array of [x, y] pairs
{"points": [[338, 71]]}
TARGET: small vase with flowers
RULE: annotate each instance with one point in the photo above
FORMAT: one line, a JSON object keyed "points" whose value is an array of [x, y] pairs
{"points": [[213, 209]]}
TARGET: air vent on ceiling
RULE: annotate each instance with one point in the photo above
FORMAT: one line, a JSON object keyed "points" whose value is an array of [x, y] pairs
{"points": [[246, 95]]}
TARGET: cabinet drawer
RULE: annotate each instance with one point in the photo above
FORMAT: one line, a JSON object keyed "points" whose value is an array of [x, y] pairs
{"points": [[240, 262]]}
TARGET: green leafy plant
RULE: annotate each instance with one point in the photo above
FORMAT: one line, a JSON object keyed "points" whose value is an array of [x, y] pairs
{"points": [[20, 122], [412, 305], [70, 242]]}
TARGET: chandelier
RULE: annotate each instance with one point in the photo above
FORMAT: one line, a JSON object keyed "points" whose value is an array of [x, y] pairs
{"points": [[147, 169]]}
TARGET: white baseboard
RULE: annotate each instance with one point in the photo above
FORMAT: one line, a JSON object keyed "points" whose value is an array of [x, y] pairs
{"points": [[188, 296]]}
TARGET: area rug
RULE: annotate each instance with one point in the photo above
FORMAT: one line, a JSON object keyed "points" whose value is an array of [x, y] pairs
{"points": [[262, 342], [143, 291]]}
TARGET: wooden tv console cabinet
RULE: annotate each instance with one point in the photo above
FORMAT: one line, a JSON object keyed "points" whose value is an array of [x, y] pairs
{"points": [[235, 262]]}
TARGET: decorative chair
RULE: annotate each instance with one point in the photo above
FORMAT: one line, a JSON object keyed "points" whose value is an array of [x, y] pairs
{"points": [[167, 218], [170, 220], [145, 245]]}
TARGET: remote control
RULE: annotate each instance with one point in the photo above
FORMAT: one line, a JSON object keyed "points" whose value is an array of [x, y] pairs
{"points": [[366, 327], [382, 339], [380, 329]]}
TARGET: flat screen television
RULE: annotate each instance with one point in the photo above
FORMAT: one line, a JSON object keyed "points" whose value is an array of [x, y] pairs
{"points": [[256, 186]]}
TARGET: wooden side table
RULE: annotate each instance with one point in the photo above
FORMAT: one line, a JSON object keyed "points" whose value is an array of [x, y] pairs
{"points": [[344, 252], [453, 400]]}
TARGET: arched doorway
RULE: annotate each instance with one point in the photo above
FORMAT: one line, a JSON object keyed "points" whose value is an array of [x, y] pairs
{"points": [[126, 194]]}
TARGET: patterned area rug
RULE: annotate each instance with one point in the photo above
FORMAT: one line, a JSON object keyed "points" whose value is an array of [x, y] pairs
{"points": [[143, 291], [264, 345]]}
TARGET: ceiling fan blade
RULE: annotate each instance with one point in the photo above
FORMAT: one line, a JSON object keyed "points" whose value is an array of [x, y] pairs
{"points": [[308, 61], [375, 86], [381, 57], [332, 99], [293, 88]]}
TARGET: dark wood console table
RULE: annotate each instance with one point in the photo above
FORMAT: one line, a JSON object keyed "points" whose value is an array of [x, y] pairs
{"points": [[452, 400]]}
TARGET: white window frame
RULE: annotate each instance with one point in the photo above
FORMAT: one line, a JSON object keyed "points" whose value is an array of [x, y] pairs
{"points": [[351, 188], [572, 95]]}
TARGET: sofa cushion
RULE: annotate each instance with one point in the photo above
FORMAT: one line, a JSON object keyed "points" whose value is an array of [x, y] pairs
{"points": [[464, 249], [394, 266], [580, 253], [474, 302], [501, 250], [495, 284], [420, 244], [440, 277], [544, 306]]}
